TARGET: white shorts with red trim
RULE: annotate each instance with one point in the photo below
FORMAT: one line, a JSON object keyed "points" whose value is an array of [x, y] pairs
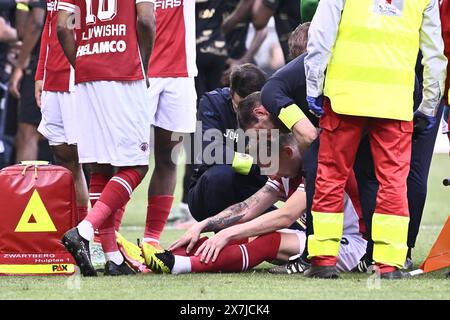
{"points": [[173, 103], [114, 123], [59, 122]]}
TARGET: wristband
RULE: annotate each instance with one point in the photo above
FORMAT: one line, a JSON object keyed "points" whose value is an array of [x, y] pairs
{"points": [[291, 115], [242, 163]]}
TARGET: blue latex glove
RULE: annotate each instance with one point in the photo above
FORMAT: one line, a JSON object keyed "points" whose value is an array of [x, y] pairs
{"points": [[315, 105], [423, 123]]}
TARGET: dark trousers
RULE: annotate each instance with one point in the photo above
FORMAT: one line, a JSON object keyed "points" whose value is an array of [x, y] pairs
{"points": [[220, 187]]}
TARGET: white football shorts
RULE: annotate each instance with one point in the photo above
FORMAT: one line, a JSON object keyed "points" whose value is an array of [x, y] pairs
{"points": [[173, 103], [59, 122], [114, 122]]}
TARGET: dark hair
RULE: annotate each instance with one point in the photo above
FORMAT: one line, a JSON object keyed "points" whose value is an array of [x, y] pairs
{"points": [[298, 40], [246, 79], [245, 115]]}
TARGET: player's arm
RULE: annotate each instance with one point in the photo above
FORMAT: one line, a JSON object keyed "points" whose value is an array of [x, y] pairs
{"points": [[66, 35], [269, 222], [238, 213], [31, 37], [31, 34], [275, 220], [40, 70], [242, 13], [261, 14], [21, 16], [7, 33], [243, 211], [146, 26], [258, 39]]}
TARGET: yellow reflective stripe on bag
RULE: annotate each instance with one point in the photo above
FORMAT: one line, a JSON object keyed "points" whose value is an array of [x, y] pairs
{"points": [[242, 163], [291, 115], [29, 269], [390, 234], [328, 229]]}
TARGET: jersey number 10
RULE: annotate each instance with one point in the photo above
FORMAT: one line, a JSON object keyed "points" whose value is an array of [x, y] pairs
{"points": [[103, 14]]}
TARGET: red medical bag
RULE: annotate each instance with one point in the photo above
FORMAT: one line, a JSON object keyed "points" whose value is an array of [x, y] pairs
{"points": [[37, 206]]}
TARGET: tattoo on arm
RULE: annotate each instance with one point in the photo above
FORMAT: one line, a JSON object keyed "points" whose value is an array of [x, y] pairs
{"points": [[236, 212]]}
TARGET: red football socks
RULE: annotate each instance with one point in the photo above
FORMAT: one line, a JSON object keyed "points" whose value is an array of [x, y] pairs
{"points": [[157, 213], [118, 216], [97, 183], [108, 235], [115, 195], [240, 257], [324, 261], [384, 268]]}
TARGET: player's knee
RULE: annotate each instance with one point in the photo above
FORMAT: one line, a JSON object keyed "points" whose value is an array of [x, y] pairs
{"points": [[220, 176], [28, 132], [142, 170]]}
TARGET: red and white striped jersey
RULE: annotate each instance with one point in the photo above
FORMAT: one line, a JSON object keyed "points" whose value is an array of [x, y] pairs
{"points": [[174, 53], [53, 67], [287, 187], [107, 42], [353, 221]]}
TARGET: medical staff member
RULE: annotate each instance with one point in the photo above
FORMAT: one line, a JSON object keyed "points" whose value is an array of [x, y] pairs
{"points": [[369, 51]]}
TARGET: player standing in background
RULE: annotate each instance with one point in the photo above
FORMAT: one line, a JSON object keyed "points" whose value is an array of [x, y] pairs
{"points": [[22, 83], [218, 49], [217, 54], [286, 14], [54, 95], [113, 111], [172, 103]]}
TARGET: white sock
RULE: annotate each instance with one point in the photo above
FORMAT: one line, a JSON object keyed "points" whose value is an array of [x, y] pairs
{"points": [[86, 230], [115, 257], [147, 240], [181, 265]]}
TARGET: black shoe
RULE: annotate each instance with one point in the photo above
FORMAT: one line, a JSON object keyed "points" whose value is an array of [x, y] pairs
{"points": [[408, 264], [296, 264], [162, 262], [322, 272], [363, 265], [395, 275], [448, 275], [79, 249], [112, 269], [156, 259]]}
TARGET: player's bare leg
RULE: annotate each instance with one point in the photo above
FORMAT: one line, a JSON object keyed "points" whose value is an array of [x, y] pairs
{"points": [[67, 157], [162, 185], [27, 141]]}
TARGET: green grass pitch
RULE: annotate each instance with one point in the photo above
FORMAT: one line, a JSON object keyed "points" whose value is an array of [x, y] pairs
{"points": [[255, 284]]}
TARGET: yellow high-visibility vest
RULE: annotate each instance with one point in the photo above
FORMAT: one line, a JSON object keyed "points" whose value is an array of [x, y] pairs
{"points": [[371, 70]]}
